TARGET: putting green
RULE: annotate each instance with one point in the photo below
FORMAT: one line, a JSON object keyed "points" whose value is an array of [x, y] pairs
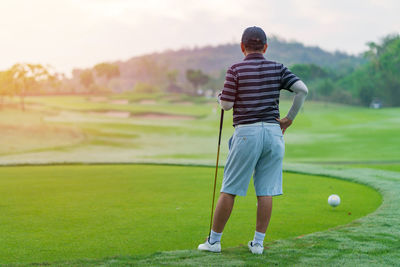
{"points": [[51, 213]]}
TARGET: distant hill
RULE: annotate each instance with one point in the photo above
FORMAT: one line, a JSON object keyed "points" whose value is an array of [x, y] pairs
{"points": [[212, 59], [216, 59]]}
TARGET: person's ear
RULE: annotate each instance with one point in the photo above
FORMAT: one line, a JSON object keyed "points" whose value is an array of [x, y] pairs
{"points": [[265, 48], [242, 47]]}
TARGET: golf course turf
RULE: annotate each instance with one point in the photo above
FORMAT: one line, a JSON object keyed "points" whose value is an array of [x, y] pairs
{"points": [[69, 212], [154, 215], [323, 132]]}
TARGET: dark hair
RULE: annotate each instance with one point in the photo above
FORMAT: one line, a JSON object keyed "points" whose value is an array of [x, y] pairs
{"points": [[254, 46]]}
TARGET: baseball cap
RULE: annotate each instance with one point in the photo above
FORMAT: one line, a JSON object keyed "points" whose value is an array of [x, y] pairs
{"points": [[254, 35]]}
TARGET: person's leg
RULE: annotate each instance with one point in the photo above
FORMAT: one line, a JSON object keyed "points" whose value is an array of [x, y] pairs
{"points": [[244, 151], [222, 211], [264, 209], [243, 154], [267, 180]]}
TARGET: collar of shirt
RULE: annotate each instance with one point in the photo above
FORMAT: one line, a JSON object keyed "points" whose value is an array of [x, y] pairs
{"points": [[254, 56]]}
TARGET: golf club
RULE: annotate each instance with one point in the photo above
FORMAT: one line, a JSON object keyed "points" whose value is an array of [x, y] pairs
{"points": [[216, 169]]}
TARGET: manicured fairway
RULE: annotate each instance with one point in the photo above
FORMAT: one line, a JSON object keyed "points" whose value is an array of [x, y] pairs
{"points": [[78, 129], [51, 213]]}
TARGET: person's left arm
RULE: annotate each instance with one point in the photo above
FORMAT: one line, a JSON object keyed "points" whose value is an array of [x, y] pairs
{"points": [[301, 91], [292, 83]]}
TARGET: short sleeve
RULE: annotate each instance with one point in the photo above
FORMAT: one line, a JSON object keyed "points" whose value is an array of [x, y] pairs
{"points": [[287, 78], [230, 86]]}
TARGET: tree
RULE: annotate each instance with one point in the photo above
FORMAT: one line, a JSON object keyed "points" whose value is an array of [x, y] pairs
{"points": [[172, 76], [378, 79], [376, 50], [28, 78], [325, 87], [173, 87], [145, 88], [196, 77], [6, 85], [86, 78], [98, 89], [107, 70], [150, 71], [309, 72]]}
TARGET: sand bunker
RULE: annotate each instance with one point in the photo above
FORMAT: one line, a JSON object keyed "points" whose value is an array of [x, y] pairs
{"points": [[98, 99], [112, 113], [118, 114]]}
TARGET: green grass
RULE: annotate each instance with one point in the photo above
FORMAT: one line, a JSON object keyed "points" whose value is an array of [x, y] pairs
{"points": [[53, 213], [369, 241], [389, 167], [21, 132], [87, 215], [321, 133]]}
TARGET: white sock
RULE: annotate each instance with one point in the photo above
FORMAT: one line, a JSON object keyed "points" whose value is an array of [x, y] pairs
{"points": [[214, 237], [258, 238]]}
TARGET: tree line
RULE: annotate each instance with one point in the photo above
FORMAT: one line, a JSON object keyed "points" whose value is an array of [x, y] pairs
{"points": [[377, 79], [23, 79], [356, 84]]}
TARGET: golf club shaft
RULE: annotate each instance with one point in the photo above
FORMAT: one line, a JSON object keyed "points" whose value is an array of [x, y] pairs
{"points": [[216, 168]]}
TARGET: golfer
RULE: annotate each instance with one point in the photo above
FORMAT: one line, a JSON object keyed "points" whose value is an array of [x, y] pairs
{"points": [[252, 87]]}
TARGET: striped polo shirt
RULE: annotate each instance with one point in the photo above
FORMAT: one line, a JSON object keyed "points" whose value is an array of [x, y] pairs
{"points": [[254, 86]]}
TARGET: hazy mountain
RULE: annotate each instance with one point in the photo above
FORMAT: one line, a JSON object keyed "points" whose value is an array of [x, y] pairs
{"points": [[216, 59]]}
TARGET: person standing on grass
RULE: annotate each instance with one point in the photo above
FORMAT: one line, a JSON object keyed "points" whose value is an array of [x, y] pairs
{"points": [[252, 87]]}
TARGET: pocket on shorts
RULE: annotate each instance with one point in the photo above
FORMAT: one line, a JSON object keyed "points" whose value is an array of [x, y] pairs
{"points": [[278, 145], [245, 131], [244, 137]]}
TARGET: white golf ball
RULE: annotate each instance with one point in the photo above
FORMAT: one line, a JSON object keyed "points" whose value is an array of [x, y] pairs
{"points": [[334, 200]]}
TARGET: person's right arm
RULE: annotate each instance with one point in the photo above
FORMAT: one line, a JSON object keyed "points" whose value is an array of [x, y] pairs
{"points": [[225, 105], [227, 97]]}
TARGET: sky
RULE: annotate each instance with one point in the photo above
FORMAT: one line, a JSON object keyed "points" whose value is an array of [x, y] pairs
{"points": [[67, 34]]}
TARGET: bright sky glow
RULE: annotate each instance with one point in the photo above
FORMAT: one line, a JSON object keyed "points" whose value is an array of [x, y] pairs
{"points": [[81, 33]]}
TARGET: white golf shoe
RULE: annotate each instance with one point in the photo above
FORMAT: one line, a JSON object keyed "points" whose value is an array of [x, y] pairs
{"points": [[255, 248], [206, 246]]}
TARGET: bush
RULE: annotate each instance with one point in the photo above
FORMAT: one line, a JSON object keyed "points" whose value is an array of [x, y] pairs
{"points": [[98, 89], [342, 96], [141, 87]]}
